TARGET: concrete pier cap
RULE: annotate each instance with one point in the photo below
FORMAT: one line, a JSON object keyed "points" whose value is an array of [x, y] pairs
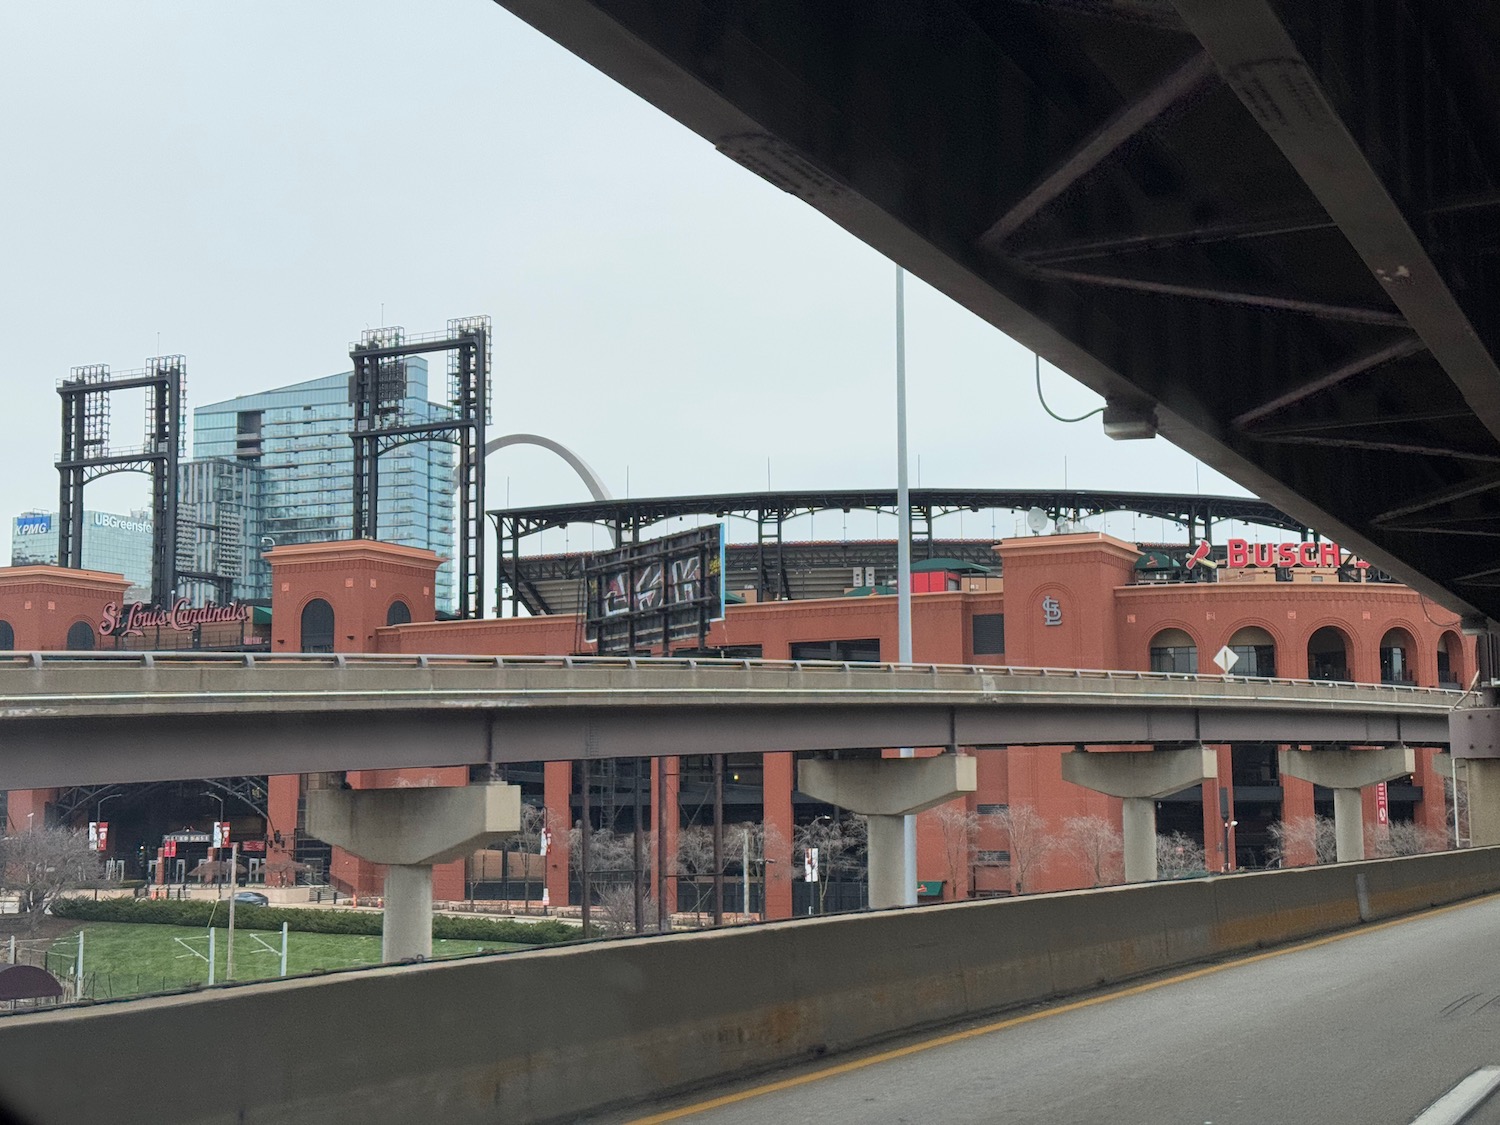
{"points": [[1346, 772], [1140, 773], [1343, 768], [410, 830], [886, 790], [888, 786], [1140, 777]]}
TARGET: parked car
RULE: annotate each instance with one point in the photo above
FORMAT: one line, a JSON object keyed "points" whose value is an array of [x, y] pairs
{"points": [[251, 898]]}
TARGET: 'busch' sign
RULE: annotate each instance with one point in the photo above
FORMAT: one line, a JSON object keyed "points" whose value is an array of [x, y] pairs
{"points": [[1243, 553]]}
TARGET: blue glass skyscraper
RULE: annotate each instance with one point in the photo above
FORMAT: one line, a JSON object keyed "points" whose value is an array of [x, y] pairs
{"points": [[297, 437]]}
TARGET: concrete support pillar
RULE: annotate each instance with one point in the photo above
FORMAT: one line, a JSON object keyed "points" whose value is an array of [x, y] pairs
{"points": [[1141, 778], [887, 854], [886, 790], [1474, 737], [1346, 772], [1138, 817], [411, 830], [407, 929], [1483, 791], [1348, 824]]}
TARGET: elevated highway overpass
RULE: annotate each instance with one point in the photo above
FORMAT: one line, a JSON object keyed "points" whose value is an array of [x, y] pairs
{"points": [[76, 719], [1261, 228]]}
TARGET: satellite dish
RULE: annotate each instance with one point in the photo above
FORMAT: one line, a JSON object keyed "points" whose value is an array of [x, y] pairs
{"points": [[1036, 519]]}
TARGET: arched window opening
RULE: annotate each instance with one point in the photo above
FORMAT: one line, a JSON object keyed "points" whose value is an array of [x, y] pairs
{"points": [[7, 636], [1398, 657], [317, 626], [398, 614], [1327, 655], [1256, 650], [1450, 661], [80, 637], [1172, 650]]}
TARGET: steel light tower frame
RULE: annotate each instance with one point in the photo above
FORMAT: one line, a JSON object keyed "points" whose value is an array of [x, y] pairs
{"points": [[86, 455], [381, 424]]}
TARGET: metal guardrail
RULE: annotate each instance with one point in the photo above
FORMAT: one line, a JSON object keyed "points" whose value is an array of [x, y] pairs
{"points": [[23, 661]]}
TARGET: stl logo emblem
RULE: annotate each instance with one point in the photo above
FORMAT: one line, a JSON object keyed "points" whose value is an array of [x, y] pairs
{"points": [[1051, 611]]}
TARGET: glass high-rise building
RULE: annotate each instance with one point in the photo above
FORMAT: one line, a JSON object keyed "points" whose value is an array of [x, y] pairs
{"points": [[219, 530], [114, 543], [296, 438]]}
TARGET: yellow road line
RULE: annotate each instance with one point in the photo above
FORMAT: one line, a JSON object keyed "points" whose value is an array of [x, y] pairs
{"points": [[1016, 1021]]}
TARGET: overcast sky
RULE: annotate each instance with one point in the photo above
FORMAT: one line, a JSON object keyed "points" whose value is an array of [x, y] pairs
{"points": [[251, 184]]}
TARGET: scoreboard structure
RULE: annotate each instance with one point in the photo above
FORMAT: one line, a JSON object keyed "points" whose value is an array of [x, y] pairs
{"points": [[647, 597]]}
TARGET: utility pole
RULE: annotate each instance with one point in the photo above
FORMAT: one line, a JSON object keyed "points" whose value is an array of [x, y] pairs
{"points": [[903, 572], [234, 864]]}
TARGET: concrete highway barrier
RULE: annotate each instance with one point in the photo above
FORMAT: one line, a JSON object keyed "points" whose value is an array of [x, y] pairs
{"points": [[550, 1034]]}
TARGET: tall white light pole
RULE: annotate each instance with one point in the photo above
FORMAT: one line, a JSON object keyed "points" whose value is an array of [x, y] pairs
{"points": [[903, 571]]}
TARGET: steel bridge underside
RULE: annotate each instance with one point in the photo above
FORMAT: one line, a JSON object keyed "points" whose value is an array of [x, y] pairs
{"points": [[1264, 228]]}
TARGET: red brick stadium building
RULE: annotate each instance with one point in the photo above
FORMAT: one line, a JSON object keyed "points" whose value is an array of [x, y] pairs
{"points": [[1072, 601]]}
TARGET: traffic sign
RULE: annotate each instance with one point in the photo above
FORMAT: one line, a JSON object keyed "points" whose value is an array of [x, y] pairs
{"points": [[1226, 658]]}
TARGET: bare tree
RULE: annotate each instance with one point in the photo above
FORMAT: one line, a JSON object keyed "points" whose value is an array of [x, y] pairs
{"points": [[1097, 844], [527, 840], [1402, 837], [41, 865], [695, 861], [842, 848], [612, 867], [1293, 841], [960, 828], [1032, 844], [1179, 855], [611, 853], [616, 910]]}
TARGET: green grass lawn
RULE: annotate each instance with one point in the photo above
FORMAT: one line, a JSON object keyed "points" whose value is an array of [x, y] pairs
{"points": [[128, 959]]}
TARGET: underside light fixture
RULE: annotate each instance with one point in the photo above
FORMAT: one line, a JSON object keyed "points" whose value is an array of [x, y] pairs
{"points": [[1129, 423]]}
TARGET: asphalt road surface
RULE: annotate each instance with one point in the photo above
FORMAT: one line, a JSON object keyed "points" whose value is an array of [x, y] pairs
{"points": [[1365, 1028]]}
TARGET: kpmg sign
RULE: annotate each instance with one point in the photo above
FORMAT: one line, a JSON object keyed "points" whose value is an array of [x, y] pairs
{"points": [[33, 525], [134, 620]]}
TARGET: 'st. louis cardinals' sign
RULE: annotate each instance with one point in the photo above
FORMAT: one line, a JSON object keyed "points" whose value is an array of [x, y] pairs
{"points": [[134, 620], [1243, 553]]}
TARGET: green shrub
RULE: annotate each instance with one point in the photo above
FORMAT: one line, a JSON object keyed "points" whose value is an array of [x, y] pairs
{"points": [[197, 913]]}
